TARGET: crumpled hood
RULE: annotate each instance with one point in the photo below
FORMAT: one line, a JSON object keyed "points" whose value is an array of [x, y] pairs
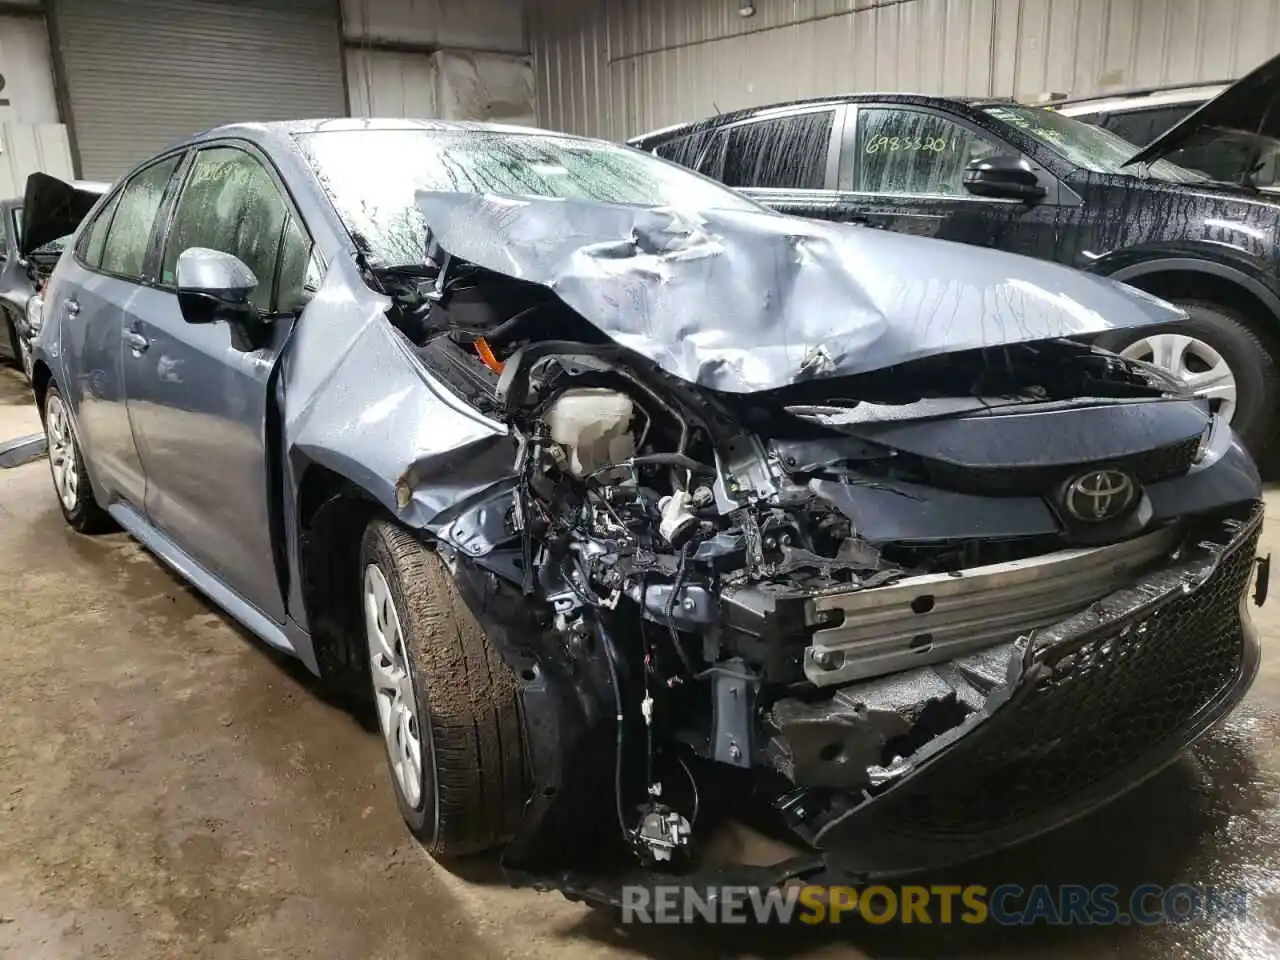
{"points": [[1250, 107], [743, 301]]}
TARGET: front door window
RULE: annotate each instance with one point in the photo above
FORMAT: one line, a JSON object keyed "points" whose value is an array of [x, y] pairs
{"points": [[232, 204], [914, 153]]}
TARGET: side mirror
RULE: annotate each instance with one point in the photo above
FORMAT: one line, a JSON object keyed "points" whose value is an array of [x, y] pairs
{"points": [[1003, 178], [213, 286]]}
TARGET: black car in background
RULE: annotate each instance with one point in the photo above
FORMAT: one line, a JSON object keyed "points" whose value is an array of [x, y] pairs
{"points": [[1033, 181], [1142, 115], [24, 269]]}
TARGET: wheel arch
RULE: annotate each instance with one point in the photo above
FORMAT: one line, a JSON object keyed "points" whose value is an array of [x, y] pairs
{"points": [[332, 513], [1192, 278], [41, 377]]}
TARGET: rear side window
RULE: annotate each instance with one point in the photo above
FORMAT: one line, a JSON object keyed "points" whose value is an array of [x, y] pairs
{"points": [[95, 234], [783, 153], [1140, 127], [686, 150], [129, 234]]}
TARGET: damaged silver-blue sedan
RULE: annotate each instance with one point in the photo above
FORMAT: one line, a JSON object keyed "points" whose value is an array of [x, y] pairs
{"points": [[635, 509]]}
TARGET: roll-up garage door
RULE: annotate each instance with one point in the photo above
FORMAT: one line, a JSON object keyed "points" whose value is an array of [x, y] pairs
{"points": [[142, 74]]}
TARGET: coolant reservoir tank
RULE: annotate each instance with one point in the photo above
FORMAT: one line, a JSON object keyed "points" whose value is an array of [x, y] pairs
{"points": [[593, 426]]}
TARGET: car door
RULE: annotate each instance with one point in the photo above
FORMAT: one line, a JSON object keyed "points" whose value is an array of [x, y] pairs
{"points": [[10, 283], [902, 168], [91, 299], [199, 393], [784, 159]]}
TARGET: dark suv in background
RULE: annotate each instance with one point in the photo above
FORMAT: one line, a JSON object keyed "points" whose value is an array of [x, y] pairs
{"points": [[1140, 116], [1034, 181]]}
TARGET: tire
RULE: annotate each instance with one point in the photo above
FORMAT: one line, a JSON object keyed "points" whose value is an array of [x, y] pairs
{"points": [[1252, 362], [66, 466], [470, 778]]}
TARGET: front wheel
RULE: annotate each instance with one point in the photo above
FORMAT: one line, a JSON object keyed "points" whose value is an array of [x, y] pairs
{"points": [[75, 496], [1218, 355], [448, 706]]}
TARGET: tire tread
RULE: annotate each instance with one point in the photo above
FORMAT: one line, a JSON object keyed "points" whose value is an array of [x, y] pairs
{"points": [[472, 700]]}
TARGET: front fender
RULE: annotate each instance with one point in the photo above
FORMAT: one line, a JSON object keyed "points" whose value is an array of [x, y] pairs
{"points": [[1225, 263], [359, 403]]}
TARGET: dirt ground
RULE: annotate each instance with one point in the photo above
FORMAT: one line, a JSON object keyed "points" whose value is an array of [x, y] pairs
{"points": [[170, 788]]}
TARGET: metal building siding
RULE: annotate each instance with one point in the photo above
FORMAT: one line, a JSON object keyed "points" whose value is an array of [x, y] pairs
{"points": [[383, 83], [488, 25], [614, 68], [142, 74]]}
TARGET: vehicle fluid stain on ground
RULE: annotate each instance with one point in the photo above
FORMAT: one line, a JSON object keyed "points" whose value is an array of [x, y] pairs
{"points": [[170, 787]]}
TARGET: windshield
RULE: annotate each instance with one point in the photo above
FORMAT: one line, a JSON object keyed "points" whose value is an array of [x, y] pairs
{"points": [[372, 176], [1085, 145]]}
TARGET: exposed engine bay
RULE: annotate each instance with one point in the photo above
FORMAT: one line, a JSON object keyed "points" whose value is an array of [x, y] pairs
{"points": [[790, 605]]}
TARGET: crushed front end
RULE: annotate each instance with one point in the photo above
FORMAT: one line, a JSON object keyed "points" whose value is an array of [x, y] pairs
{"points": [[894, 634], [877, 561]]}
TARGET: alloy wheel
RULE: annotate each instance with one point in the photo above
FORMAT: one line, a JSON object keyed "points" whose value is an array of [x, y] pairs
{"points": [[392, 686], [1194, 362], [62, 452]]}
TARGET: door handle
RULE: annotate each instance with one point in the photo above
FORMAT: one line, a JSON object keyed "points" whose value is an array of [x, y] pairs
{"points": [[73, 307], [137, 342]]}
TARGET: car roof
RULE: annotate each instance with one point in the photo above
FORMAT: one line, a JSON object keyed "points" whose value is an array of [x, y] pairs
{"points": [[285, 130], [791, 106], [1141, 99]]}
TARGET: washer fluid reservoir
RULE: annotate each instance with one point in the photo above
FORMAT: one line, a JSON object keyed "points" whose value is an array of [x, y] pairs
{"points": [[593, 427]]}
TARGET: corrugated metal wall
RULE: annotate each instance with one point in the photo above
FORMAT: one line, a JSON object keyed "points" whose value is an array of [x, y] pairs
{"points": [[615, 68], [494, 25], [452, 59], [391, 83], [142, 74]]}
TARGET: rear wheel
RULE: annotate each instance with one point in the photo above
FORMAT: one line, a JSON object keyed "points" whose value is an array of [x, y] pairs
{"points": [[70, 483], [448, 706], [1217, 354]]}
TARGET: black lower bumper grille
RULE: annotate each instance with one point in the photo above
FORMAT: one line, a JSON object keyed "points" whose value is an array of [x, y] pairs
{"points": [[1103, 706]]}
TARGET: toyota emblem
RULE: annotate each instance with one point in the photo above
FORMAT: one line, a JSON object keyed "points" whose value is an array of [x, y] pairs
{"points": [[1100, 495]]}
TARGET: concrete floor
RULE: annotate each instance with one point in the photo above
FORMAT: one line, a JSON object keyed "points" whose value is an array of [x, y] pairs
{"points": [[169, 788]]}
